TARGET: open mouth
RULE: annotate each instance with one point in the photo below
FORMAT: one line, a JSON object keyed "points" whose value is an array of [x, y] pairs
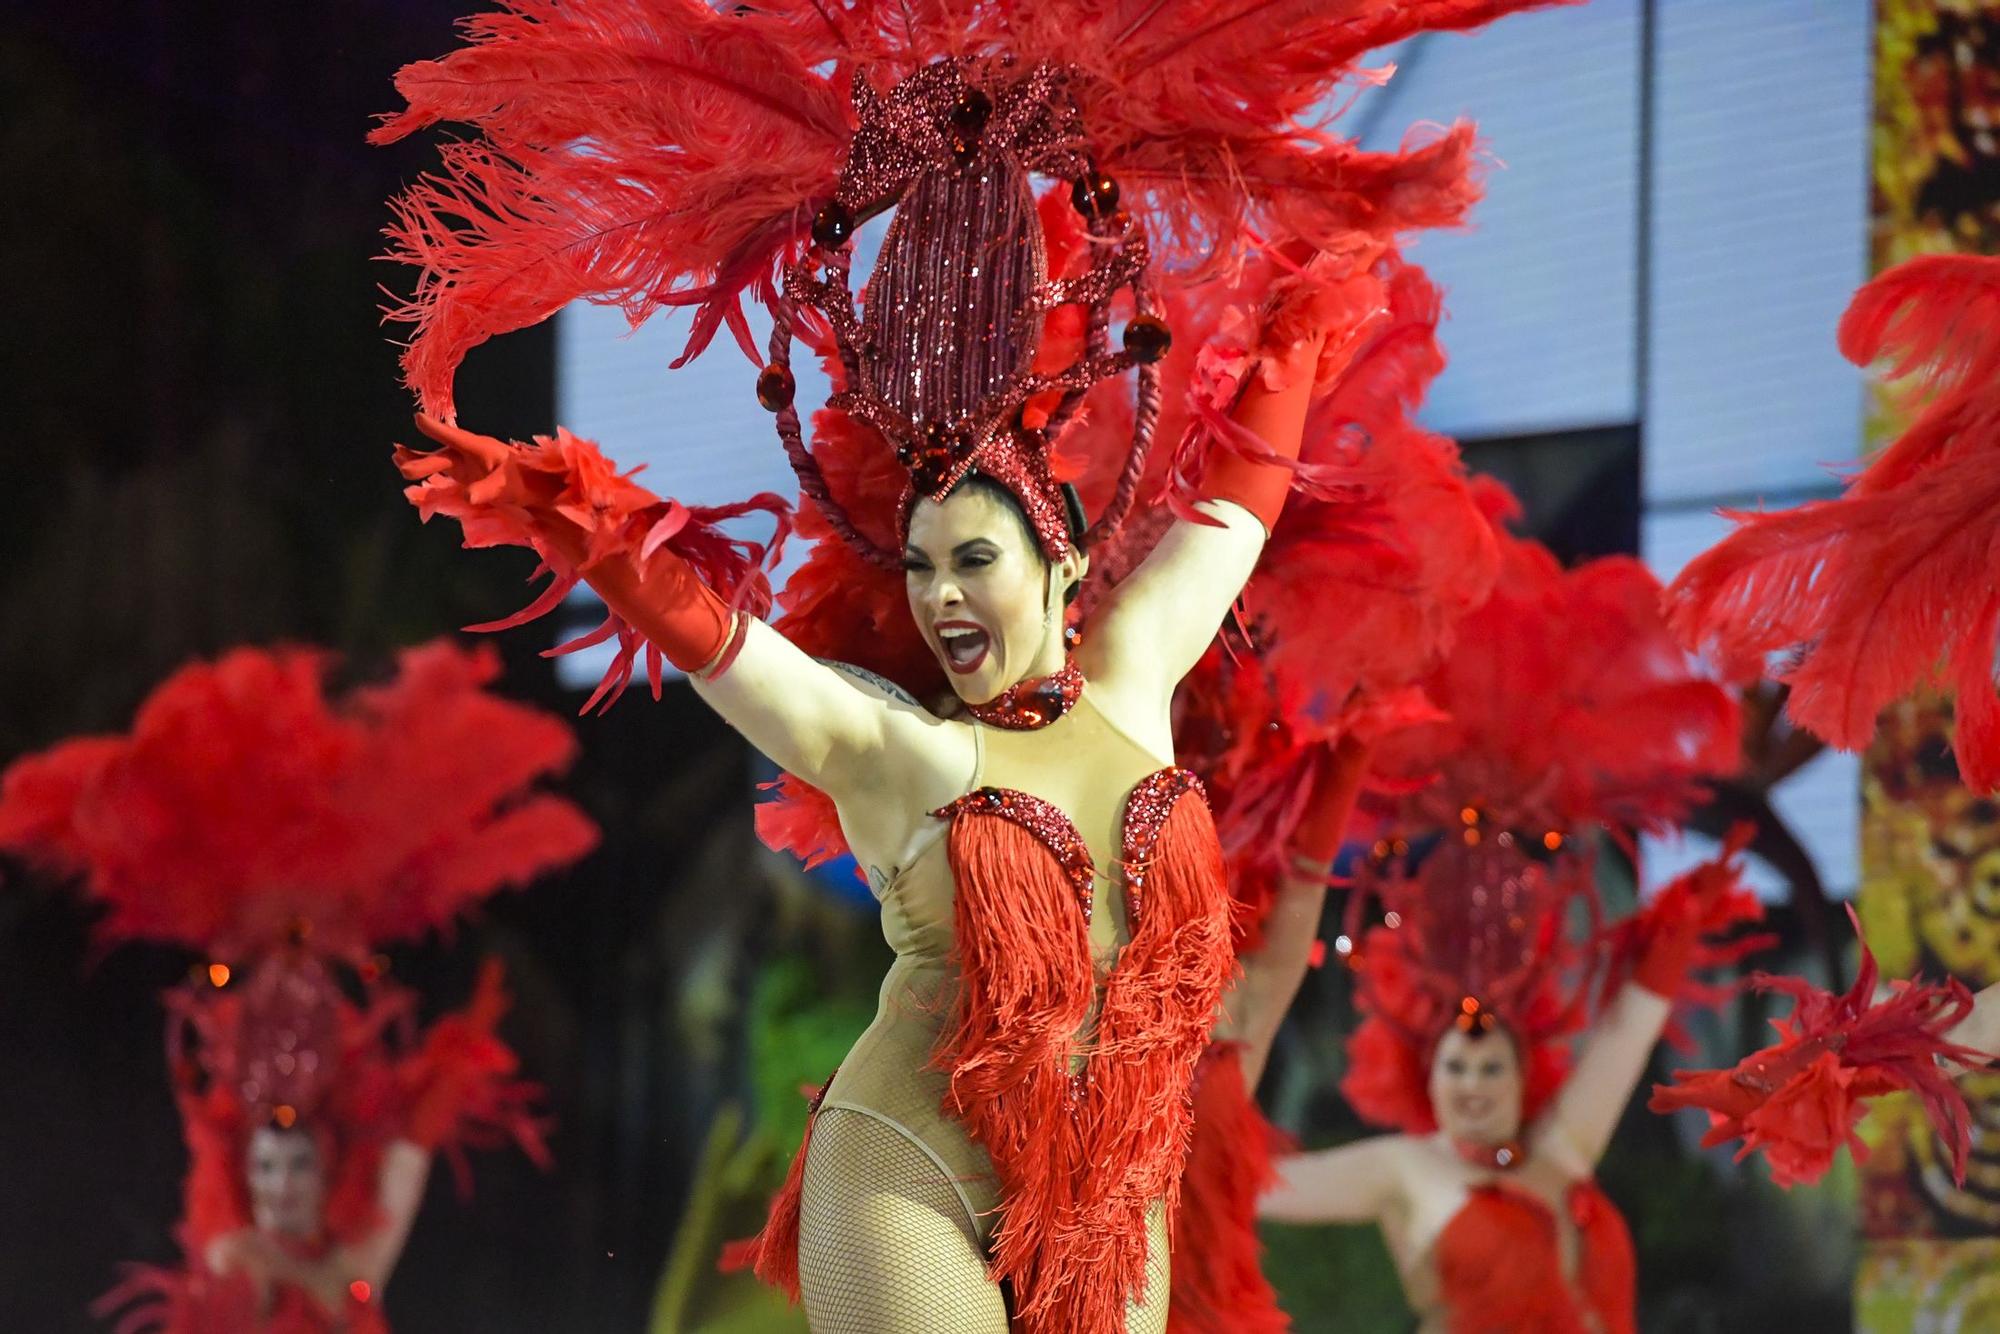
{"points": [[965, 645], [1473, 1109]]}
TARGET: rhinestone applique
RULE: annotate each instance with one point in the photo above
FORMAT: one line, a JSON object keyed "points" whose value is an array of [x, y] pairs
{"points": [[1054, 830], [1146, 812], [1035, 702]]}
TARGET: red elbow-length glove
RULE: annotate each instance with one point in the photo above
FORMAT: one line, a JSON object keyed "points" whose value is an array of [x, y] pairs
{"points": [[562, 498], [1324, 823]]}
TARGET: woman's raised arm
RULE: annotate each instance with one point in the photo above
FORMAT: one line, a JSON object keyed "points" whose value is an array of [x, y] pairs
{"points": [[1272, 974], [1163, 616], [1354, 1183]]}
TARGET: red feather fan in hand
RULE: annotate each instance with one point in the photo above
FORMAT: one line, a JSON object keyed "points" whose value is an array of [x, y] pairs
{"points": [[1894, 582], [1800, 1099]]}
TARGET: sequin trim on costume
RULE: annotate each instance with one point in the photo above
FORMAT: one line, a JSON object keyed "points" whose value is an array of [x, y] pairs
{"points": [[1146, 812], [1053, 829], [1147, 809]]}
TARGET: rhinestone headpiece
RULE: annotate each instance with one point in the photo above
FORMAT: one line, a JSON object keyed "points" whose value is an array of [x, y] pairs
{"points": [[940, 357]]}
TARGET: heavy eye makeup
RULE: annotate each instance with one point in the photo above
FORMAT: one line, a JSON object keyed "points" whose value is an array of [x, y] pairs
{"points": [[974, 555]]}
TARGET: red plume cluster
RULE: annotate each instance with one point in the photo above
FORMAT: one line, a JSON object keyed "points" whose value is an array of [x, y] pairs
{"points": [[659, 153], [1569, 705], [1800, 1099], [245, 807], [1894, 583]]}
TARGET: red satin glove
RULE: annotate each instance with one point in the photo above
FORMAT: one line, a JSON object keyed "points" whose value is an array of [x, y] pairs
{"points": [[659, 595], [1278, 418], [1311, 324], [1707, 900], [1663, 962], [1324, 822], [461, 1057]]}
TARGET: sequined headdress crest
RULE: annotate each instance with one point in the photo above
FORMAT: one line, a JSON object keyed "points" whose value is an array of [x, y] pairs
{"points": [[940, 358]]}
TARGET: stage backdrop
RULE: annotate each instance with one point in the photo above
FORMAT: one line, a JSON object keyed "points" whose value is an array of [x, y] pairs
{"points": [[1930, 854]]}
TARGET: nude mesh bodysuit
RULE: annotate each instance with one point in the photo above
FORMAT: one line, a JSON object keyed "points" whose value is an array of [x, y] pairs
{"points": [[897, 1202]]}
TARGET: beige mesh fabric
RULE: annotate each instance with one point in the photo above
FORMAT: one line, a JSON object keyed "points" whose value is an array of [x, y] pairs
{"points": [[885, 1244], [1148, 1315]]}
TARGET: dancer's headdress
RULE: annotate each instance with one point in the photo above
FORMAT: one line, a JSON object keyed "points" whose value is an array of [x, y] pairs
{"points": [[1568, 711], [658, 153], [286, 836]]}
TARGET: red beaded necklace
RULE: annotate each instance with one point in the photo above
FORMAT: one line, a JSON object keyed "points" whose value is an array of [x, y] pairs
{"points": [[1035, 702], [1502, 1157]]}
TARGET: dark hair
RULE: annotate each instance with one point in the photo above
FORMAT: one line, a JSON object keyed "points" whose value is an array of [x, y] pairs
{"points": [[1073, 516]]}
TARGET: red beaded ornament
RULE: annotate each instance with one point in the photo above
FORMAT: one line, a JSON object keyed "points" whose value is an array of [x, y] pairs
{"points": [[1033, 703], [940, 357]]}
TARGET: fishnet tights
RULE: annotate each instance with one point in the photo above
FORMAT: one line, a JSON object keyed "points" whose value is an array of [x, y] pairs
{"points": [[886, 1247]]}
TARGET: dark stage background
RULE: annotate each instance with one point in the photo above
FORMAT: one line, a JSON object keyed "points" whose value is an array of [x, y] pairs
{"points": [[201, 404]]}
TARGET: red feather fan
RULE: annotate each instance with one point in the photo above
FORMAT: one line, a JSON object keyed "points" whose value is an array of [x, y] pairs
{"points": [[1800, 1099], [1893, 583]]}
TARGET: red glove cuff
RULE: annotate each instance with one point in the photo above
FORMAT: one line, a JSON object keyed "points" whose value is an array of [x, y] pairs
{"points": [[1277, 417], [1663, 965], [1324, 824], [670, 605]]}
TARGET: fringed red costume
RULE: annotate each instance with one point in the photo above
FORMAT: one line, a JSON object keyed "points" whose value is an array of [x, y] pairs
{"points": [[1893, 583], [1059, 962], [286, 835]]}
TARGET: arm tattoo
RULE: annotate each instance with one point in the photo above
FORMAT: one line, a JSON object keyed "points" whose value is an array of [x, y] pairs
{"points": [[881, 683]]}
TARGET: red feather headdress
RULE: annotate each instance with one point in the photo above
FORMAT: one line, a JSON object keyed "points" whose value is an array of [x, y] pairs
{"points": [[1567, 707], [285, 835], [1894, 582], [245, 808], [657, 153]]}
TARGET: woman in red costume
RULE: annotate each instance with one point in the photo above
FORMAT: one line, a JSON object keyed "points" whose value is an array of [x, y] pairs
{"points": [[1565, 708], [1862, 599], [1002, 1146], [285, 837]]}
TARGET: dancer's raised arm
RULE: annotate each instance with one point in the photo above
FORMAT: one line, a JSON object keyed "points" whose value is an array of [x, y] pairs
{"points": [[1272, 974], [1162, 617], [835, 729]]}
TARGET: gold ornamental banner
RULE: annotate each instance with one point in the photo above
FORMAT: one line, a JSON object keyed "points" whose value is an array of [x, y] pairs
{"points": [[1930, 850]]}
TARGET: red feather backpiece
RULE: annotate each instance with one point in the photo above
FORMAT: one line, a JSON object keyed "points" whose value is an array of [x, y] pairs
{"points": [[245, 806], [1570, 705], [655, 153], [1895, 582]]}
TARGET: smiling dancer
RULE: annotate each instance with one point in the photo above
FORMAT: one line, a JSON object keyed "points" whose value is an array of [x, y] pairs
{"points": [[1488, 960], [1001, 1147]]}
